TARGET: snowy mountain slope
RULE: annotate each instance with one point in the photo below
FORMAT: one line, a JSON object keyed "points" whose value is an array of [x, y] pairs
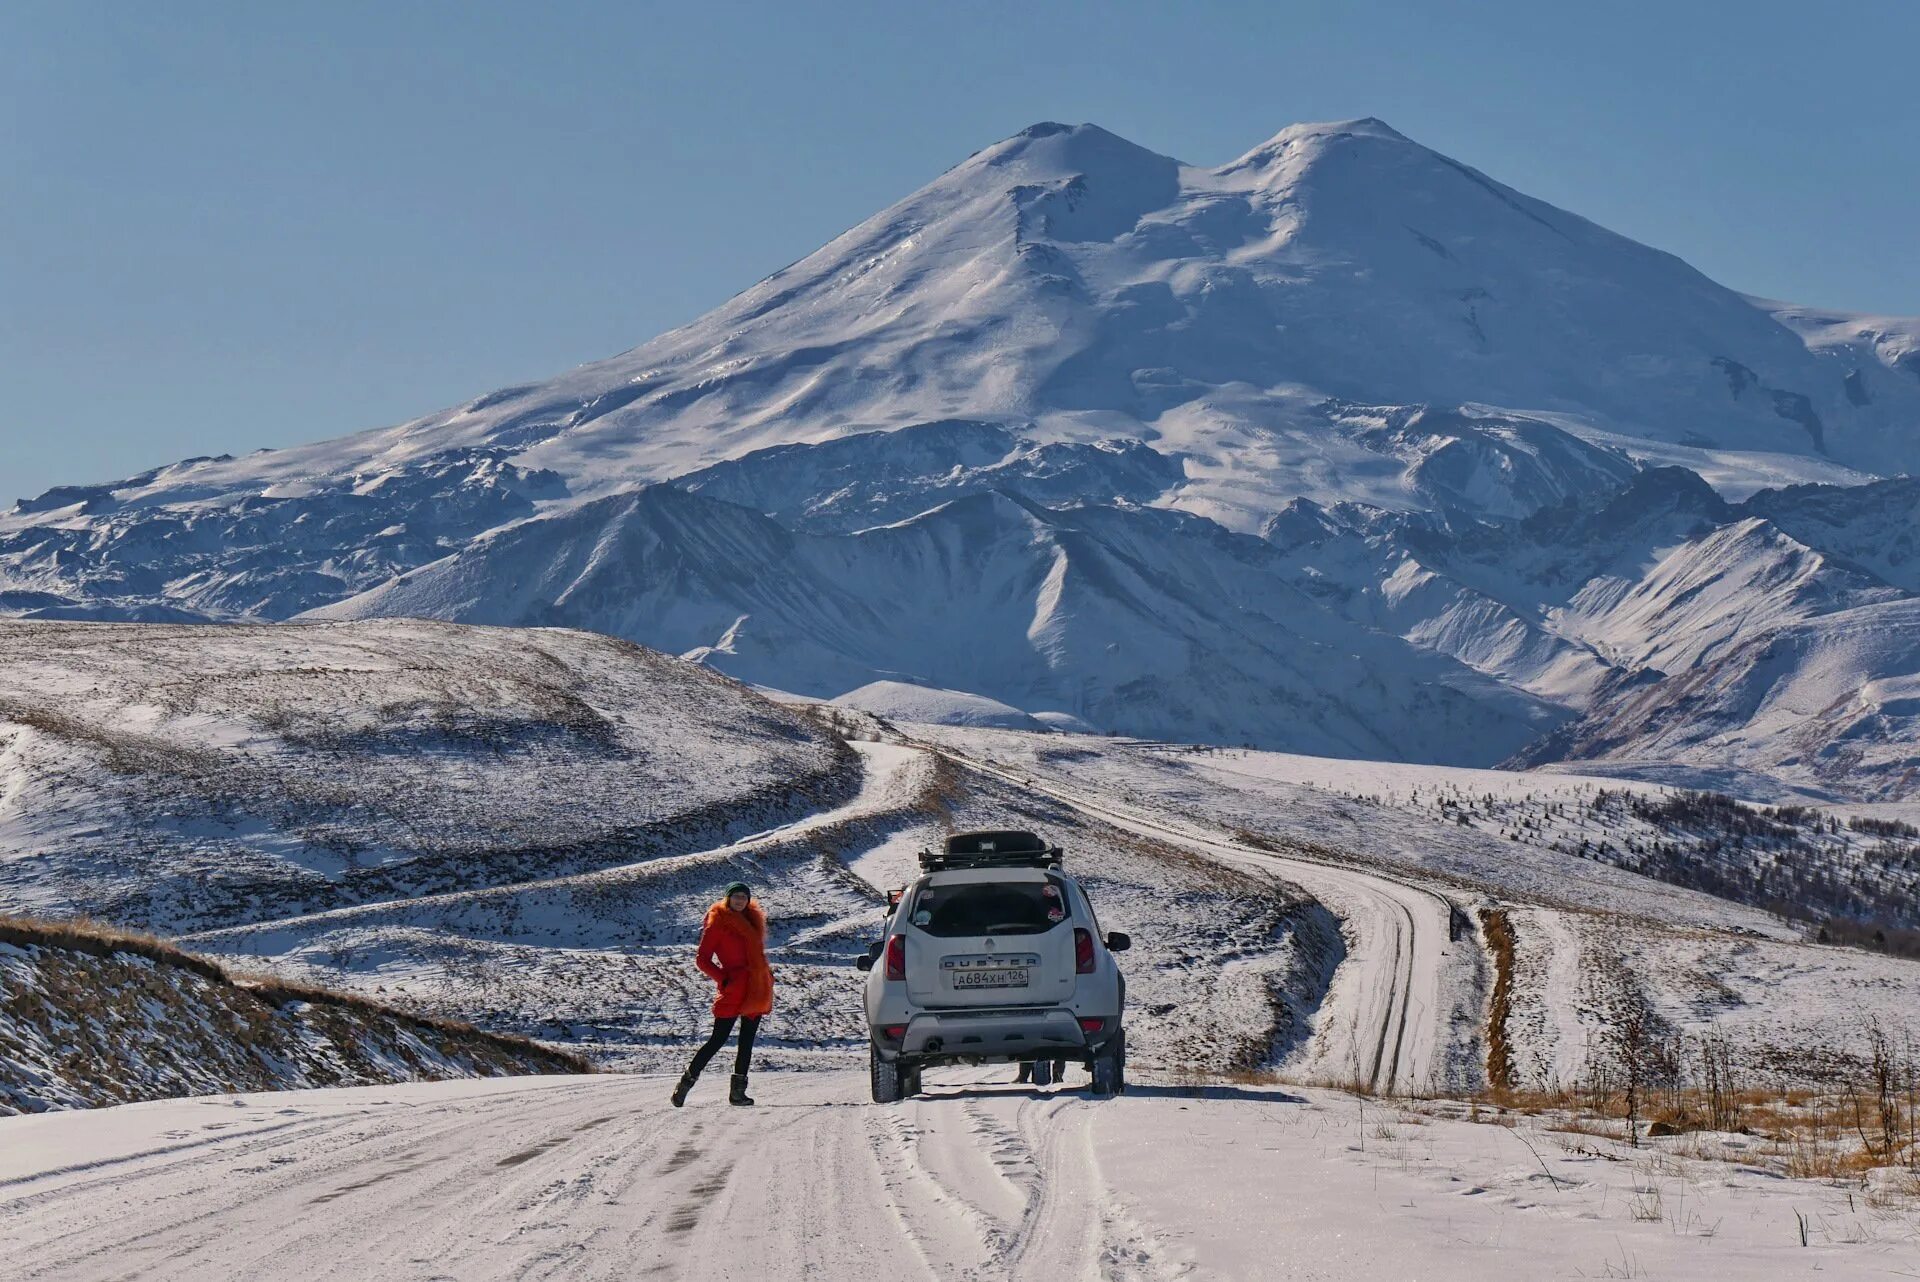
{"points": [[1482, 465], [191, 552], [1651, 578], [1148, 621], [173, 776], [1067, 277], [1833, 702], [1714, 592], [1875, 527], [1877, 353], [876, 478]]}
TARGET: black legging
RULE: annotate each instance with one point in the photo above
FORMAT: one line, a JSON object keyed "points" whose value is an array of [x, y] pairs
{"points": [[723, 1025]]}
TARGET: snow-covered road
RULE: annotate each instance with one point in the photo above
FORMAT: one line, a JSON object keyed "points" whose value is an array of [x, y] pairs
{"points": [[597, 1177], [1382, 1021], [587, 1177]]}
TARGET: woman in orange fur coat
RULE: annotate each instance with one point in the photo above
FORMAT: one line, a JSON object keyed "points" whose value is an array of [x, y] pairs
{"points": [[733, 954]]}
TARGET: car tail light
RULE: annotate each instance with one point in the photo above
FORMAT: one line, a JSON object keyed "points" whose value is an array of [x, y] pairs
{"points": [[1082, 950], [1092, 1024], [894, 1032], [897, 957]]}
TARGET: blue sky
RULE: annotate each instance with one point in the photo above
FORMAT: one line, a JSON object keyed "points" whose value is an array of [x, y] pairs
{"points": [[232, 226]]}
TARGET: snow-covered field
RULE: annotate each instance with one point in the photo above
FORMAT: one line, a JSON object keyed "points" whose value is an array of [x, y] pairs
{"points": [[600, 1178]]}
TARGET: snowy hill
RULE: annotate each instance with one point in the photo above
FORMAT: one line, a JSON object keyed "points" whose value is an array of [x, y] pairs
{"points": [[1875, 527], [172, 776], [1069, 351], [898, 701]]}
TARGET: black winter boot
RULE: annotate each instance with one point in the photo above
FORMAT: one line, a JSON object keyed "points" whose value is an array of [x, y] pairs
{"points": [[738, 1095], [680, 1091]]}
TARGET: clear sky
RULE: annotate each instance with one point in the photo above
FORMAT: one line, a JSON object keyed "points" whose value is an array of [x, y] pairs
{"points": [[229, 226]]}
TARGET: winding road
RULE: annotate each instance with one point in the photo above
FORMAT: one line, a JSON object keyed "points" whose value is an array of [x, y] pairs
{"points": [[1380, 1023]]}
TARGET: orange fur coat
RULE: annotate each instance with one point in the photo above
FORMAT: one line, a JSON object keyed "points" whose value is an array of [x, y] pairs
{"points": [[733, 954]]}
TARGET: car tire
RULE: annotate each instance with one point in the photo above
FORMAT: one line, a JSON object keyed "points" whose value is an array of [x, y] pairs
{"points": [[884, 1076], [1043, 1072], [1109, 1067]]}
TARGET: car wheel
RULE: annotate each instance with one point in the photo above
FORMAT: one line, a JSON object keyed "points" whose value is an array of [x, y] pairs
{"points": [[885, 1077], [1043, 1072], [1109, 1068]]}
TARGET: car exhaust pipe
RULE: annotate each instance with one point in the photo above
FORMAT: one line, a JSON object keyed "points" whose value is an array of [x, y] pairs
{"points": [[933, 1045]]}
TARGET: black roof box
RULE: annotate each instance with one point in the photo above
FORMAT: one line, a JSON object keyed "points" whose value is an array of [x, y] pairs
{"points": [[992, 848]]}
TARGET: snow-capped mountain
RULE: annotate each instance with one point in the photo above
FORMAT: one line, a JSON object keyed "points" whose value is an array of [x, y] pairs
{"points": [[1018, 435]]}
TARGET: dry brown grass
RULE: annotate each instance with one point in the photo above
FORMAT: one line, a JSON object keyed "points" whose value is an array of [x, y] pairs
{"points": [[1497, 926], [1804, 1134], [98, 939], [945, 788], [1196, 1075]]}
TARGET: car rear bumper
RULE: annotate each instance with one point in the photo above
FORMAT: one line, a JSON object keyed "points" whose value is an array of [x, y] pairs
{"points": [[993, 1034]]}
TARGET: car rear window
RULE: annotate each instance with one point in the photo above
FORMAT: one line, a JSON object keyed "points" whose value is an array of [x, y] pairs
{"points": [[990, 908]]}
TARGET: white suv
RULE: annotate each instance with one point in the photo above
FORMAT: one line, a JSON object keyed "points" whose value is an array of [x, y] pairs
{"points": [[993, 955]]}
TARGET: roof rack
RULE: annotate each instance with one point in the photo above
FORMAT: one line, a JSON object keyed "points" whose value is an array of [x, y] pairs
{"points": [[994, 848]]}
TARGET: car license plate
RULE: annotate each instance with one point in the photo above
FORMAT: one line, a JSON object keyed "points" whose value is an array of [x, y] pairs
{"points": [[999, 977]]}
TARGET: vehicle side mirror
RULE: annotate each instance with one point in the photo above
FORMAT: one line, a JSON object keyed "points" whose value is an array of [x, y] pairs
{"points": [[1119, 943], [872, 955], [863, 963]]}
